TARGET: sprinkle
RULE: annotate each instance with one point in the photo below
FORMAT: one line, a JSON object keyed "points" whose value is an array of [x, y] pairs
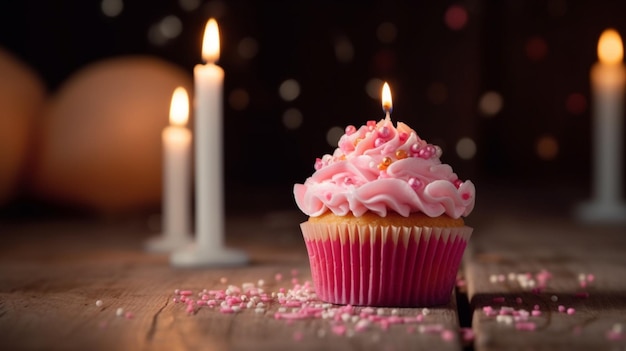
{"points": [[278, 277], [447, 335], [119, 312], [99, 303], [129, 315], [529, 326], [554, 298], [561, 308], [535, 313], [223, 280], [425, 311], [571, 311]]}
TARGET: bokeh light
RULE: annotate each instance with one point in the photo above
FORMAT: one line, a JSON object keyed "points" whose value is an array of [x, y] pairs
{"points": [[239, 99], [490, 104], [248, 48], [333, 135], [373, 88], [466, 148], [189, 5], [171, 27], [112, 8], [455, 17], [437, 93], [547, 147], [386, 32], [576, 104], [344, 51], [536, 48], [292, 118], [289, 90]]}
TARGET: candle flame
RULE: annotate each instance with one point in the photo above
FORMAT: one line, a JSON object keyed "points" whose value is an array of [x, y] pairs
{"points": [[179, 108], [610, 48], [211, 42], [387, 103]]}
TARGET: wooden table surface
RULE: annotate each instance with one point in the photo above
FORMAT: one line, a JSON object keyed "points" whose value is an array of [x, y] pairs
{"points": [[52, 273]]}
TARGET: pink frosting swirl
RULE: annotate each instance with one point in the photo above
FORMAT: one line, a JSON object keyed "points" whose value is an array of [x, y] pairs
{"points": [[382, 168]]}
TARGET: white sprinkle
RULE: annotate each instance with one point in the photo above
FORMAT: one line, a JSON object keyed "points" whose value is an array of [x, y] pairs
{"points": [[119, 312], [504, 319], [99, 303], [394, 312], [554, 298], [511, 276], [236, 308], [250, 304], [582, 277], [493, 279], [260, 304], [282, 309], [425, 311], [345, 317], [261, 282], [355, 319], [259, 310], [380, 311]]}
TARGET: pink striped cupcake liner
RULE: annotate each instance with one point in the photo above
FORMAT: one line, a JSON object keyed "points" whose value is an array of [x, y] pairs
{"points": [[384, 266]]}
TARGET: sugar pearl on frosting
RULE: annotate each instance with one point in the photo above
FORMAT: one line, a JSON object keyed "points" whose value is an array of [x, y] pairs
{"points": [[415, 148], [415, 183], [371, 125], [457, 183], [403, 136], [350, 130], [318, 164], [384, 132], [378, 142], [401, 154], [385, 163]]}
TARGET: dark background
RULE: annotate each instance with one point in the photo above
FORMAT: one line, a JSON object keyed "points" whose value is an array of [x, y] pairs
{"points": [[535, 54]]}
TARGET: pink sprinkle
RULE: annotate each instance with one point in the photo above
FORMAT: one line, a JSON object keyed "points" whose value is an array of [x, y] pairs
{"points": [[129, 315], [278, 277], [223, 280], [186, 292], [174, 300], [498, 299], [571, 311], [536, 307], [529, 326], [201, 302], [487, 309], [339, 329], [614, 336], [190, 309], [467, 334], [226, 310], [447, 335], [591, 277], [561, 308], [297, 336], [535, 313]]}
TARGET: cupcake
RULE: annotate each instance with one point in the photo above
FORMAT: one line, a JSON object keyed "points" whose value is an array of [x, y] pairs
{"points": [[385, 224]]}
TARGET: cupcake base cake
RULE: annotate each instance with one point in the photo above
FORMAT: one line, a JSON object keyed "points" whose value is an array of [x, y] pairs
{"points": [[385, 261]]}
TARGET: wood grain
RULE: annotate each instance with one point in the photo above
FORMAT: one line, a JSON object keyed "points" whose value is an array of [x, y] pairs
{"points": [[52, 273], [507, 245]]}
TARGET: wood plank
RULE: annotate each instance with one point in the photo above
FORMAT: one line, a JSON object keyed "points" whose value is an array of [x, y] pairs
{"points": [[560, 250], [51, 275]]}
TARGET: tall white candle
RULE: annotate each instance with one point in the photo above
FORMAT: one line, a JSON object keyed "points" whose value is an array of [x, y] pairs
{"points": [[209, 79], [608, 76], [176, 141]]}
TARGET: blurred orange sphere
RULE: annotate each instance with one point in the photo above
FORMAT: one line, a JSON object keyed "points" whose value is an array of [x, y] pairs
{"points": [[22, 96], [100, 143]]}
